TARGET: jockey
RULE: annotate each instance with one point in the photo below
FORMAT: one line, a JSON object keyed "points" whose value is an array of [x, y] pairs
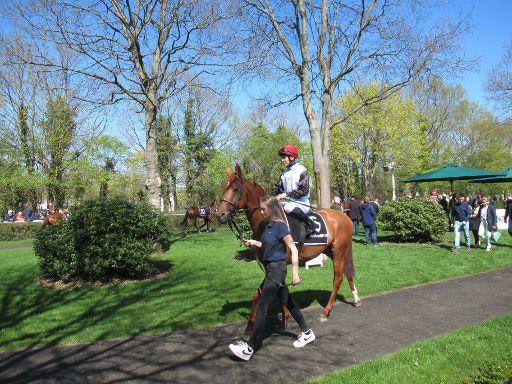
{"points": [[294, 186]]}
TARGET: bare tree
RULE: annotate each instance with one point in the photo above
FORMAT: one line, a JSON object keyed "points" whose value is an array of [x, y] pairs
{"points": [[137, 50], [318, 48], [439, 104], [499, 81]]}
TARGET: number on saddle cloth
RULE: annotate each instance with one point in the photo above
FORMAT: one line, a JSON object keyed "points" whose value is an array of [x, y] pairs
{"points": [[204, 212], [298, 230]]}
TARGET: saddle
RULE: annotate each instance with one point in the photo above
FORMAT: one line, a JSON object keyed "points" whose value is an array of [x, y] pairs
{"points": [[298, 230]]}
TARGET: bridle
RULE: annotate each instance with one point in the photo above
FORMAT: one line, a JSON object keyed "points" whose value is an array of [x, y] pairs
{"points": [[235, 209], [234, 205]]}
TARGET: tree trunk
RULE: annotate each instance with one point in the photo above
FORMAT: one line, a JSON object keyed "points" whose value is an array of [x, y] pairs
{"points": [[321, 163], [153, 181]]}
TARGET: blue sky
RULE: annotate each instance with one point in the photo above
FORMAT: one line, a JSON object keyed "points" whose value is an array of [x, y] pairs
{"points": [[492, 30], [486, 41], [492, 19]]}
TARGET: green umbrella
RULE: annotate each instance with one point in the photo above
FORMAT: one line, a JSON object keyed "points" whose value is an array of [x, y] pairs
{"points": [[504, 177], [451, 173]]}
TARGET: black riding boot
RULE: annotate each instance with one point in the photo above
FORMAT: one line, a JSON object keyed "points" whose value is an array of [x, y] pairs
{"points": [[310, 224]]}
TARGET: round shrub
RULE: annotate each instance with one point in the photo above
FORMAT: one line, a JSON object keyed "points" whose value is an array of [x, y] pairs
{"points": [[414, 220], [106, 238], [55, 247]]}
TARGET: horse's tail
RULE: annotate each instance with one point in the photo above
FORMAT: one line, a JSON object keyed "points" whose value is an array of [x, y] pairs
{"points": [[348, 264]]}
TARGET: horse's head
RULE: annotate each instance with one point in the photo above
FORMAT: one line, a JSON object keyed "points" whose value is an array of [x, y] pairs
{"points": [[234, 195]]}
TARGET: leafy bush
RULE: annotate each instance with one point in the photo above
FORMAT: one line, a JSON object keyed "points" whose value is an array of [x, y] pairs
{"points": [[55, 247], [104, 238], [18, 231], [418, 220]]}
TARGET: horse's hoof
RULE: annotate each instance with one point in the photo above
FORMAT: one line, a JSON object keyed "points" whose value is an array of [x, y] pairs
{"points": [[357, 304], [322, 319]]}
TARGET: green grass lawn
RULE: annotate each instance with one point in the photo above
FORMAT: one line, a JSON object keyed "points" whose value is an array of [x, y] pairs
{"points": [[451, 358], [205, 285]]}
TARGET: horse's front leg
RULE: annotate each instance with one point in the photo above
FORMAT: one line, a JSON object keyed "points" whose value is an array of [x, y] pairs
{"points": [[252, 318], [285, 314]]}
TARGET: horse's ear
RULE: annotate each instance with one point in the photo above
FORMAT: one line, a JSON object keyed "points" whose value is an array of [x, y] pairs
{"points": [[228, 171], [238, 170]]}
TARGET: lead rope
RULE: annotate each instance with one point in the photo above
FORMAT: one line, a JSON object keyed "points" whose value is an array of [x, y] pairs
{"points": [[238, 234]]}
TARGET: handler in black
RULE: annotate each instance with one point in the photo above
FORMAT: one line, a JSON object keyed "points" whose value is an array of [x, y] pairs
{"points": [[274, 242]]}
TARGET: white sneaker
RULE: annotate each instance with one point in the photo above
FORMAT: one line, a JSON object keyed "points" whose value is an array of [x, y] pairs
{"points": [[304, 339], [242, 350]]}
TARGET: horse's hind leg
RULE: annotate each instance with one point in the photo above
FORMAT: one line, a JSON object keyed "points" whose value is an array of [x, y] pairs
{"points": [[185, 224], [338, 256], [338, 278], [357, 301]]}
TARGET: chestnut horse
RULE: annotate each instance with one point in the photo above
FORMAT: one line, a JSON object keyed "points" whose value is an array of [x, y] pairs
{"points": [[241, 194], [195, 213], [54, 218]]}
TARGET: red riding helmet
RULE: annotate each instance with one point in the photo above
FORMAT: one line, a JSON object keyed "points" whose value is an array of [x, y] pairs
{"points": [[289, 150]]}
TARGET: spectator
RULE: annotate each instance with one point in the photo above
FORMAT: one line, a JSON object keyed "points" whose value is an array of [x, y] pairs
{"points": [[20, 217], [368, 216], [10, 216], [508, 213], [336, 204], [461, 212], [487, 215], [28, 214], [36, 216], [474, 221], [375, 204], [444, 204], [354, 214]]}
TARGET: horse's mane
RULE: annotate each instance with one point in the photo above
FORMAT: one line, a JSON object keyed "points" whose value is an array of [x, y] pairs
{"points": [[259, 189], [234, 177]]}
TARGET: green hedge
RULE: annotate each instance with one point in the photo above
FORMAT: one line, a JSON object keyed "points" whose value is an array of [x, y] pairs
{"points": [[103, 239], [18, 231], [414, 220]]}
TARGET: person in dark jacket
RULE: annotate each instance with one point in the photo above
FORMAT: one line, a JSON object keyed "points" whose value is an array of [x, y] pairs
{"points": [[461, 212], [354, 213], [368, 216], [10, 217], [508, 213], [487, 216]]}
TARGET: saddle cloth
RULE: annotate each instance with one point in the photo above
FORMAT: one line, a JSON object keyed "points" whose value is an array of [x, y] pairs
{"points": [[297, 230], [204, 212]]}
